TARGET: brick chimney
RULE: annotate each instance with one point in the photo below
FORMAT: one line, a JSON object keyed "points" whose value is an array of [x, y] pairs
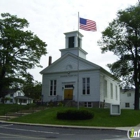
{"points": [[50, 60]]}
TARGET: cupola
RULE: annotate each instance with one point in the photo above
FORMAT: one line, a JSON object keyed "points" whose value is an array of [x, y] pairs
{"points": [[73, 44]]}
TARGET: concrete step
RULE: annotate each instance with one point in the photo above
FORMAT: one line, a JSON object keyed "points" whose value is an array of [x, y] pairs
{"points": [[70, 103], [12, 115], [7, 117], [17, 114]]}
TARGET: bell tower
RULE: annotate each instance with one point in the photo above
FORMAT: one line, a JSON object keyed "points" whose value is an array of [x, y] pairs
{"points": [[73, 44], [73, 39]]}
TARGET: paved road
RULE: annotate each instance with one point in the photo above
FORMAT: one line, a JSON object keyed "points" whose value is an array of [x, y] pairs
{"points": [[26, 132]]}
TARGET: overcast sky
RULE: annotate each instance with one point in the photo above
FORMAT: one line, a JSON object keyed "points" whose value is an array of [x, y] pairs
{"points": [[49, 19]]}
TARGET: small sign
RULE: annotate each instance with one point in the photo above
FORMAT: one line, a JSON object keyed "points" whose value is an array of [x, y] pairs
{"points": [[115, 109]]}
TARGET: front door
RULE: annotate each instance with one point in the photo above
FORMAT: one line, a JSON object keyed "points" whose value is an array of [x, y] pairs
{"points": [[68, 94]]}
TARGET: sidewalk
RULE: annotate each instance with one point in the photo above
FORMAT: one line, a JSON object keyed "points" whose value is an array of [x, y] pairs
{"points": [[74, 127]]}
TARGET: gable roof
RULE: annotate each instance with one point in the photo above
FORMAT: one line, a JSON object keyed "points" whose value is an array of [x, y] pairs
{"points": [[10, 91], [69, 62], [23, 97]]}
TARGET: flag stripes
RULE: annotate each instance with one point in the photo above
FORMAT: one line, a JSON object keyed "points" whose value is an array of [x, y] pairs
{"points": [[87, 25]]}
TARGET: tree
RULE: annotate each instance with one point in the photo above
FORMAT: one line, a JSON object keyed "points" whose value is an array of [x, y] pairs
{"points": [[20, 50], [122, 37], [32, 89], [37, 91]]}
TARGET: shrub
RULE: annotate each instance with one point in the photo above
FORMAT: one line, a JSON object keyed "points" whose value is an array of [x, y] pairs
{"points": [[60, 104], [74, 115]]}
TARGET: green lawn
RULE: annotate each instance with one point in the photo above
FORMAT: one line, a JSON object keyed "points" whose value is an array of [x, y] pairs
{"points": [[101, 118], [6, 108]]}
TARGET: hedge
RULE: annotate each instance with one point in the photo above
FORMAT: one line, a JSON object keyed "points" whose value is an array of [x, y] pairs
{"points": [[74, 115]]}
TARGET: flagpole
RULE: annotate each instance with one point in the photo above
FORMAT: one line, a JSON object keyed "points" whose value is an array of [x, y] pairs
{"points": [[78, 23], [78, 66]]}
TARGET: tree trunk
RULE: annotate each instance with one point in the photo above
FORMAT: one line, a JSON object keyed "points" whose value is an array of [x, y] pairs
{"points": [[1, 87], [136, 98], [2, 83], [136, 80]]}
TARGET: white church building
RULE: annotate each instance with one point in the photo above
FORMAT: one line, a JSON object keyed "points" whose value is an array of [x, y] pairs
{"points": [[74, 78]]}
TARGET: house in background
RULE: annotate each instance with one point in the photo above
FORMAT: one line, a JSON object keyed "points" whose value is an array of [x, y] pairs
{"points": [[17, 97], [73, 78], [127, 98]]}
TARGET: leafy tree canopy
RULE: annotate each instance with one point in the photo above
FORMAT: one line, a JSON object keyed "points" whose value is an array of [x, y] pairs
{"points": [[122, 37], [20, 50], [32, 89]]}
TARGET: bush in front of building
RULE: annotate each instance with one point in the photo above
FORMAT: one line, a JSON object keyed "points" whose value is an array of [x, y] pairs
{"points": [[60, 104], [73, 114]]}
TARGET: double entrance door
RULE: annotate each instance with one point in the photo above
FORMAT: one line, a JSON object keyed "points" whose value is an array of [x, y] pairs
{"points": [[68, 94]]}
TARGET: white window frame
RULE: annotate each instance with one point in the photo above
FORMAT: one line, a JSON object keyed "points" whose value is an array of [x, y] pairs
{"points": [[86, 86], [88, 104], [105, 88], [111, 90], [116, 92], [129, 94], [127, 105], [53, 86], [19, 93]]}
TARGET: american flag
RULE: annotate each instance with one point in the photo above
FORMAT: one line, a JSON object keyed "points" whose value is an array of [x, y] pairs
{"points": [[88, 25]]}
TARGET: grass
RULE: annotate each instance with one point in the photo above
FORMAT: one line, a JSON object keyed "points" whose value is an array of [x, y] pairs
{"points": [[6, 108], [101, 118]]}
